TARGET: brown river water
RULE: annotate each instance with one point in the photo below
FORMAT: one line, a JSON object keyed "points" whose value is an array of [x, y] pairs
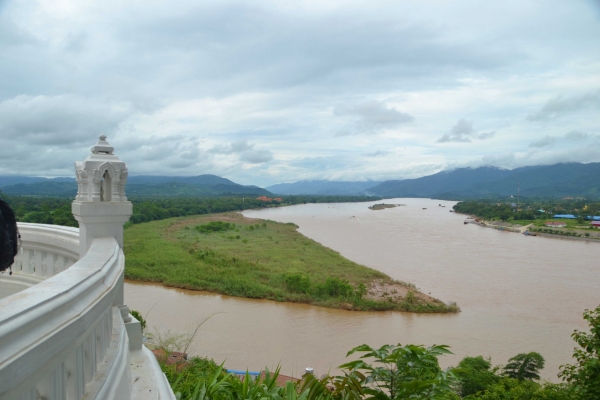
{"points": [[517, 293]]}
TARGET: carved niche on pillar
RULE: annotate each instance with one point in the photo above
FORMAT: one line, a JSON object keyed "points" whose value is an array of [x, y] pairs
{"points": [[102, 176]]}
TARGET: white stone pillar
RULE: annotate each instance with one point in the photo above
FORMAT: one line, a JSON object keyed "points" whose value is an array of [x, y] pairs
{"points": [[101, 207]]}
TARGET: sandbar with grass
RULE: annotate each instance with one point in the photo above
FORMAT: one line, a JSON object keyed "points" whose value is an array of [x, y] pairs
{"points": [[238, 256]]}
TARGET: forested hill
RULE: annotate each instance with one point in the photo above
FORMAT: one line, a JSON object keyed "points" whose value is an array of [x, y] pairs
{"points": [[137, 186], [558, 180]]}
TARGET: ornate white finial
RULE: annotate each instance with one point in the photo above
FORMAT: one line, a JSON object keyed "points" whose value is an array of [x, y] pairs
{"points": [[102, 176], [102, 147]]}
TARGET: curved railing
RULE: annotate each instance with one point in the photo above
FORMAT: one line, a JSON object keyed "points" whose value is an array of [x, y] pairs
{"points": [[54, 336], [45, 251], [68, 335]]}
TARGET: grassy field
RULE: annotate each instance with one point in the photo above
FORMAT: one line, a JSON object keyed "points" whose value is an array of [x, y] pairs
{"points": [[233, 255]]}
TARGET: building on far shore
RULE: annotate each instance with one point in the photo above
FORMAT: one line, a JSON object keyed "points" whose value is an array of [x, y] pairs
{"points": [[596, 224], [556, 224], [565, 216]]}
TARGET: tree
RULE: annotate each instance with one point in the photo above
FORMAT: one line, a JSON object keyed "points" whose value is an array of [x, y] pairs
{"points": [[584, 375], [476, 375], [513, 389], [525, 366], [403, 372]]}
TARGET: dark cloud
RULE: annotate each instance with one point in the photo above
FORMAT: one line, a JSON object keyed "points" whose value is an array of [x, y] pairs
{"points": [[463, 132], [569, 137], [378, 153], [245, 150], [486, 135], [544, 142], [576, 136], [58, 120], [560, 106], [236, 147], [372, 116], [256, 156]]}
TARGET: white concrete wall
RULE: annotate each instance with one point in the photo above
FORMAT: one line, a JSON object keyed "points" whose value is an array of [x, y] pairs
{"points": [[66, 333]]}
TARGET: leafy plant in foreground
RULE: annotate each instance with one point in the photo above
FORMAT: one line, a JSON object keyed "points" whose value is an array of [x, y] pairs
{"points": [[585, 373], [403, 372]]}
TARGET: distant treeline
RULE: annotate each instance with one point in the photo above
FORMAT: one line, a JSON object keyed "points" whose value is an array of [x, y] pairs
{"points": [[527, 210], [57, 210]]}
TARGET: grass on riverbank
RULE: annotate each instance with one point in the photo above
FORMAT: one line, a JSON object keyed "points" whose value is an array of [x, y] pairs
{"points": [[243, 257]]}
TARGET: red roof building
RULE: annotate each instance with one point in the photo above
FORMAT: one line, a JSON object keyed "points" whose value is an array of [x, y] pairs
{"points": [[596, 224]]}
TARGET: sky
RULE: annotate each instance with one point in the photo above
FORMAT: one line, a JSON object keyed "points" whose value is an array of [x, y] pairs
{"points": [[264, 92]]}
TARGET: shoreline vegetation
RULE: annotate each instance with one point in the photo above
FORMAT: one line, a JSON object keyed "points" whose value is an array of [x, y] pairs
{"points": [[230, 254], [521, 219], [391, 372], [383, 206]]}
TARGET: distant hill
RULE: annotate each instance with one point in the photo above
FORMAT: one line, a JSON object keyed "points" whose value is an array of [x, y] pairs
{"points": [[15, 180], [325, 188], [446, 181], [558, 180], [137, 186], [202, 180]]}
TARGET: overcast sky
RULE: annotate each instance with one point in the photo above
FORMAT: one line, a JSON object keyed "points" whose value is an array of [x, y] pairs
{"points": [[264, 92]]}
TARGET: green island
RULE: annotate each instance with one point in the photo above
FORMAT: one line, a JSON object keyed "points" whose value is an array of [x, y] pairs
{"points": [[383, 206], [233, 255]]}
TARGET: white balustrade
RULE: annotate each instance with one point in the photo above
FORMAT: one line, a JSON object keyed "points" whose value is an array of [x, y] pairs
{"points": [[65, 337]]}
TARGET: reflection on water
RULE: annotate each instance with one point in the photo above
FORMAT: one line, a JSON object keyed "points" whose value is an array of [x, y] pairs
{"points": [[517, 293]]}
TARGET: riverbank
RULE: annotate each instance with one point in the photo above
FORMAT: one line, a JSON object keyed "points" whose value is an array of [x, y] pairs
{"points": [[229, 254], [535, 230]]}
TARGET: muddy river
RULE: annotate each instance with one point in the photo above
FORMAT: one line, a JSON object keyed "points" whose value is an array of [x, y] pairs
{"points": [[517, 293]]}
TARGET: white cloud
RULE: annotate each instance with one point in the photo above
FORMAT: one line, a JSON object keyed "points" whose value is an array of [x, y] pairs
{"points": [[372, 116], [462, 132]]}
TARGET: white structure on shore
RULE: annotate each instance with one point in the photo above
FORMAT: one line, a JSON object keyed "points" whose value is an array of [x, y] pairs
{"points": [[65, 332]]}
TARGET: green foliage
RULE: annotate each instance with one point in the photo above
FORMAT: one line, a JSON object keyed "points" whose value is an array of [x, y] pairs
{"points": [[42, 210], [198, 372], [334, 287], [137, 315], [297, 283], [476, 375], [525, 366], [584, 375], [514, 389], [215, 226], [402, 372]]}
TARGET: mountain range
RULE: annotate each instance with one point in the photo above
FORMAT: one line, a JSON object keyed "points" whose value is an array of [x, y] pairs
{"points": [[558, 180], [140, 186]]}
